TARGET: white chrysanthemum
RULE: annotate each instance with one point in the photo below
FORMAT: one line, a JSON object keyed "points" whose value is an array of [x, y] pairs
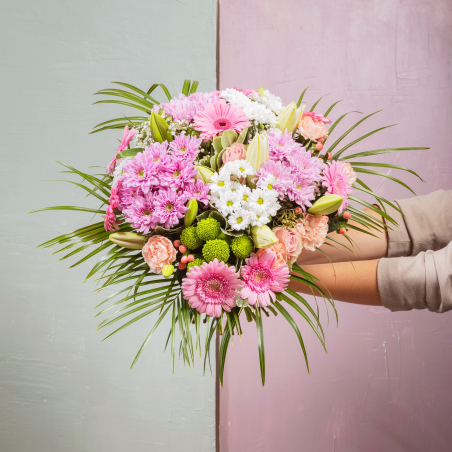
{"points": [[258, 220], [226, 169], [244, 193], [118, 169], [239, 220], [264, 202], [219, 182], [228, 202], [241, 168], [274, 103], [235, 187], [268, 182], [253, 110]]}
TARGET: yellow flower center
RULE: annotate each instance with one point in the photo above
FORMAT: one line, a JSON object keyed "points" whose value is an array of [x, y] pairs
{"points": [[270, 186], [141, 173], [221, 183], [260, 201], [169, 207], [239, 219], [229, 203], [245, 197]]}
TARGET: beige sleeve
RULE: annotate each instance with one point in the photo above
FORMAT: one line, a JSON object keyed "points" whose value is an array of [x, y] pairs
{"points": [[422, 279], [426, 224]]}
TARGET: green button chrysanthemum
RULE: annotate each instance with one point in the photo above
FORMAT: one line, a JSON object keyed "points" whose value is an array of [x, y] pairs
{"points": [[208, 229], [242, 246], [190, 238], [216, 249]]}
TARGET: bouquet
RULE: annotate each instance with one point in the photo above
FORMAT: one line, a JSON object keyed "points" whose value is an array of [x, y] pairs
{"points": [[207, 203]]}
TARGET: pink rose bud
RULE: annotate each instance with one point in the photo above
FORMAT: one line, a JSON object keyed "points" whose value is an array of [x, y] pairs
{"points": [[330, 156], [182, 266], [176, 243], [235, 152], [342, 231], [184, 259], [190, 258], [298, 211], [319, 146], [182, 249], [347, 215]]}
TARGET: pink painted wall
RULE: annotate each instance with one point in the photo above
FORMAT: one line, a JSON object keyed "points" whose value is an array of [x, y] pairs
{"points": [[386, 384]]}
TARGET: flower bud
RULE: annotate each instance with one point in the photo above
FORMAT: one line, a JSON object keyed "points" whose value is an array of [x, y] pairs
{"points": [[191, 213], [261, 91], [257, 152], [167, 270], [130, 240], [326, 204], [159, 129], [263, 237], [204, 174], [289, 118]]}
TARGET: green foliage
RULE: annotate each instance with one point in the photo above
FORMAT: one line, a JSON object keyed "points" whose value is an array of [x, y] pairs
{"points": [[216, 249], [190, 238], [242, 246], [208, 229]]}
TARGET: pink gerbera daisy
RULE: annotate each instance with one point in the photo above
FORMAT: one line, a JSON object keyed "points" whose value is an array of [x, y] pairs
{"points": [[211, 287], [336, 178], [262, 280], [218, 117], [110, 219], [127, 138]]}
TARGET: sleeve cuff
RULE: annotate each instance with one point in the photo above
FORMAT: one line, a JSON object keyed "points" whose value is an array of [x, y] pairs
{"points": [[399, 240]]}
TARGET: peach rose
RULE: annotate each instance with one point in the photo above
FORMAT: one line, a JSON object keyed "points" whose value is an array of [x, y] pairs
{"points": [[281, 253], [312, 130], [350, 173], [292, 240], [313, 230], [235, 152], [158, 252]]}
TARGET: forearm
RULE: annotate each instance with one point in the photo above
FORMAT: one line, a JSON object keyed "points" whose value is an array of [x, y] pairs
{"points": [[365, 247], [355, 283]]}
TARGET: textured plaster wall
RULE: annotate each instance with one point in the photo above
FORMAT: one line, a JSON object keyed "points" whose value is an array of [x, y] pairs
{"points": [[386, 383], [61, 389]]}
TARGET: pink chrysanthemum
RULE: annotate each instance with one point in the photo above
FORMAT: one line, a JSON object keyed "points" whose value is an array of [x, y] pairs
{"points": [[180, 108], [300, 190], [179, 174], [218, 117], [141, 172], [127, 195], [262, 280], [211, 287], [127, 138], [141, 213], [279, 177], [169, 207], [110, 222], [336, 178], [280, 145], [202, 99], [185, 147], [199, 190], [159, 153]]}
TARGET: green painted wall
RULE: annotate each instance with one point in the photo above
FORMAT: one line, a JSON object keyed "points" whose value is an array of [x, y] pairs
{"points": [[60, 388]]}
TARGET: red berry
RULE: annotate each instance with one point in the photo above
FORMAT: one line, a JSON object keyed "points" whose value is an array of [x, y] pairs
{"points": [[330, 156], [322, 140], [182, 266], [342, 231], [190, 258], [347, 215], [298, 211], [319, 146], [182, 249], [176, 243], [184, 259]]}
